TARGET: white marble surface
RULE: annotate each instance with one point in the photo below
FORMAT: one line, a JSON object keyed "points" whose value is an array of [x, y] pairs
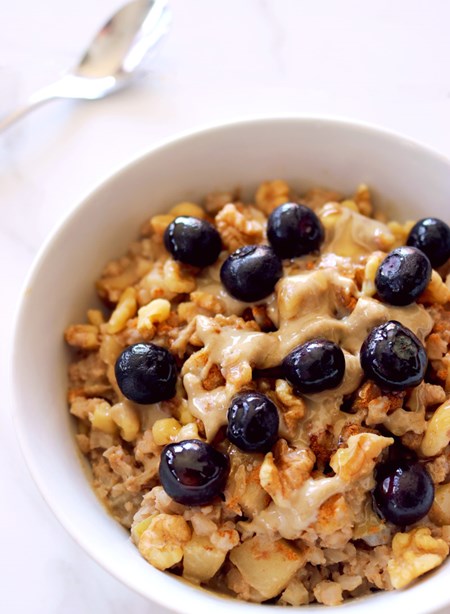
{"points": [[384, 62]]}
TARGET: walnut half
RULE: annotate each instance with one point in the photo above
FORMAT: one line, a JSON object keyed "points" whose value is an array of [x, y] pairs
{"points": [[413, 554]]}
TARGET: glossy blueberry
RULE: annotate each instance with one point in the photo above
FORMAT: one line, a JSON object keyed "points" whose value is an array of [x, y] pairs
{"points": [[192, 472], [146, 373], [403, 276], [252, 422], [404, 492], [314, 366], [251, 272], [192, 241], [432, 236], [294, 230], [393, 357]]}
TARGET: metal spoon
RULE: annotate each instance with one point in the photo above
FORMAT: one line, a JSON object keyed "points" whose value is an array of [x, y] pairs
{"points": [[113, 59]]}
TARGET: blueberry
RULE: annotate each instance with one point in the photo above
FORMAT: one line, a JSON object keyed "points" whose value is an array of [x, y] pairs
{"points": [[192, 241], [393, 357], [404, 492], [294, 230], [403, 276], [432, 236], [251, 272], [316, 365], [192, 472], [252, 422], [146, 373]]}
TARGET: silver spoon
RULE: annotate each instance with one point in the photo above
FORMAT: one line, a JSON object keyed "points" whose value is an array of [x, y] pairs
{"points": [[113, 59]]}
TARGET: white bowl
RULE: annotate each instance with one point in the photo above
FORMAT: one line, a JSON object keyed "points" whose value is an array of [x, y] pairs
{"points": [[408, 180]]}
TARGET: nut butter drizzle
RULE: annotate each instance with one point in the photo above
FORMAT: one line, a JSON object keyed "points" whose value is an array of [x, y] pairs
{"points": [[307, 306]]}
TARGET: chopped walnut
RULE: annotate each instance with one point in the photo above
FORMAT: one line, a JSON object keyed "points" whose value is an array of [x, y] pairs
{"points": [[177, 279], [159, 223], [162, 542], [377, 410], [83, 336], [285, 470], [119, 275], [400, 231], [214, 201], [366, 393], [292, 407], [363, 200], [271, 194], [370, 270], [81, 407], [125, 309], [237, 229], [413, 554], [436, 292], [206, 301], [317, 197], [358, 459]]}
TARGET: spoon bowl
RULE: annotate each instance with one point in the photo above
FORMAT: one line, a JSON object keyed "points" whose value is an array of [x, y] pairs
{"points": [[117, 55]]}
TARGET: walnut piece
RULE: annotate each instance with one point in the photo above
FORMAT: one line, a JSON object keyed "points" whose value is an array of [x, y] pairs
{"points": [[162, 542], [358, 459], [413, 554], [436, 292], [237, 229], [271, 194], [292, 407], [84, 336], [285, 470]]}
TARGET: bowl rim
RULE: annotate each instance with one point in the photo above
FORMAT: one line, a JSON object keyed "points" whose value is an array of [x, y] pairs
{"points": [[197, 598]]}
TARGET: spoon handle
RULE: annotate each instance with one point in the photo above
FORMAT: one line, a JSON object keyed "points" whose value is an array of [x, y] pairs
{"points": [[36, 100]]}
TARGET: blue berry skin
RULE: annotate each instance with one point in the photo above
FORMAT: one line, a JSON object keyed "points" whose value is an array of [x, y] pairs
{"points": [[192, 241], [294, 230], [403, 276], [250, 273], [252, 422], [315, 366], [192, 472], [404, 492], [432, 236], [393, 357], [146, 373]]}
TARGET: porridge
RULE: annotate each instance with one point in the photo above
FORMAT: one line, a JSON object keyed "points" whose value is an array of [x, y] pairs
{"points": [[264, 401]]}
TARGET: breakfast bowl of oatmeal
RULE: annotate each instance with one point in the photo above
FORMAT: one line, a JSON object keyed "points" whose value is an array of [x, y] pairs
{"points": [[237, 360]]}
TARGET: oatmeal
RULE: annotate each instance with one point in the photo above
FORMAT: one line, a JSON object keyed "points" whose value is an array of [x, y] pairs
{"points": [[265, 399]]}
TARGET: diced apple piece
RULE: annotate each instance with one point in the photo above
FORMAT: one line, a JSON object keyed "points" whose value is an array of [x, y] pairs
{"points": [[266, 565], [201, 559]]}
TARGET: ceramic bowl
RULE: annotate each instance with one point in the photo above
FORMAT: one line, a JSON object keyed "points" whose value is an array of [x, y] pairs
{"points": [[408, 180]]}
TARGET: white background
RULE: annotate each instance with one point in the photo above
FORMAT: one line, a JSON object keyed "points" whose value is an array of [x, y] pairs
{"points": [[384, 62]]}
